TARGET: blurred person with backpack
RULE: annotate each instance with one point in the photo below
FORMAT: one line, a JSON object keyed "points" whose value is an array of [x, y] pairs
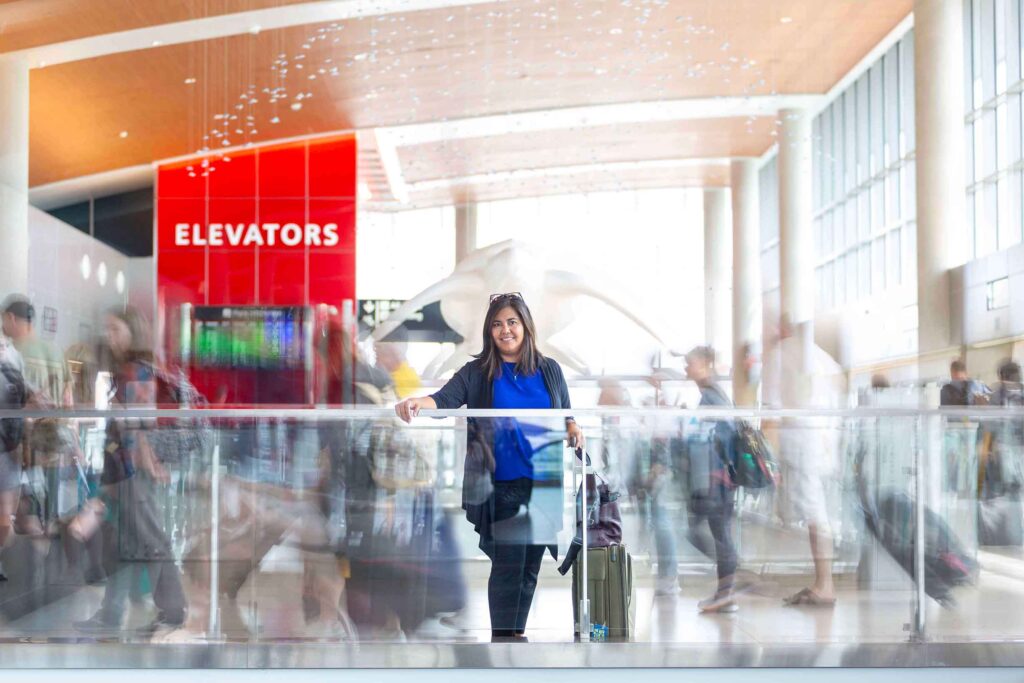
{"points": [[712, 494], [134, 474]]}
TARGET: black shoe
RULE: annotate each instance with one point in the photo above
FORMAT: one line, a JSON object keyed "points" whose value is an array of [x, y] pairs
{"points": [[161, 623], [98, 623], [508, 636]]}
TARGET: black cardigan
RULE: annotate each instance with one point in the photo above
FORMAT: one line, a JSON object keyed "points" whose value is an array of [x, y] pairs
{"points": [[469, 387]]}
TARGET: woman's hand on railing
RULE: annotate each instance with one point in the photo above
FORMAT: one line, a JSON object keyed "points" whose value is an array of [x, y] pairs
{"points": [[410, 407], [575, 435]]}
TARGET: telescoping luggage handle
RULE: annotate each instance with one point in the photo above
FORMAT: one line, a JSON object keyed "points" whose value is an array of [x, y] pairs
{"points": [[584, 608]]}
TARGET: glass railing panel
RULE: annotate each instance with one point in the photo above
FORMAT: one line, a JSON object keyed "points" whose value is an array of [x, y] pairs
{"points": [[770, 561], [348, 526], [106, 514], [974, 470]]}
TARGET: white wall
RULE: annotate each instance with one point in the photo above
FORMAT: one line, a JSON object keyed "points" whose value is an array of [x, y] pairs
{"points": [[981, 324], [55, 277]]}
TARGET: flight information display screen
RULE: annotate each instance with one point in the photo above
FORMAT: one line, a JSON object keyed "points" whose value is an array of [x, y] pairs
{"points": [[258, 337]]}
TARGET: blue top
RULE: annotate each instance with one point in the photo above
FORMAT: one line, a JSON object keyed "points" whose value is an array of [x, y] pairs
{"points": [[513, 453]]}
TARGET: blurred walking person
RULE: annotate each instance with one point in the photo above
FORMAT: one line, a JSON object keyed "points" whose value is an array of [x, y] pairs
{"points": [[712, 494], [805, 377], [133, 476]]}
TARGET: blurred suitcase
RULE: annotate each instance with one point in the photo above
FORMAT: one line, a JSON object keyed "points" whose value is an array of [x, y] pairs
{"points": [[947, 564], [610, 589]]}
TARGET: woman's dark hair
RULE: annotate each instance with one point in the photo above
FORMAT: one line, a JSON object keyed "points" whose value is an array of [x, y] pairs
{"points": [[529, 357], [141, 348]]}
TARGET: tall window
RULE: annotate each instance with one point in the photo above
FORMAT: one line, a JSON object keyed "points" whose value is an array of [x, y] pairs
{"points": [[864, 175], [992, 94]]}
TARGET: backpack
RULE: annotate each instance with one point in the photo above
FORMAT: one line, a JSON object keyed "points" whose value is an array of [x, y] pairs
{"points": [[746, 454], [175, 439], [13, 395]]}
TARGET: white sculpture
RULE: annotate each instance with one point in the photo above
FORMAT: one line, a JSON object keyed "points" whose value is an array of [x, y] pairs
{"points": [[509, 266]]}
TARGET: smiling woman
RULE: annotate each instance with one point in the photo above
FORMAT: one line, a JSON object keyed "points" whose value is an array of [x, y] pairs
{"points": [[509, 373]]}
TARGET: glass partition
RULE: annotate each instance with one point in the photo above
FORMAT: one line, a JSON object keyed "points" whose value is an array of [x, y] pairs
{"points": [[733, 529]]}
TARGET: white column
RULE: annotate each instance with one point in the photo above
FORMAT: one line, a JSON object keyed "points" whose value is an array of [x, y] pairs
{"points": [[465, 231], [941, 202], [746, 277], [13, 177], [796, 256], [717, 245]]}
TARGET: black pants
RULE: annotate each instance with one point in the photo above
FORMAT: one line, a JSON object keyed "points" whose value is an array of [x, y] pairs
{"points": [[719, 516], [510, 588]]}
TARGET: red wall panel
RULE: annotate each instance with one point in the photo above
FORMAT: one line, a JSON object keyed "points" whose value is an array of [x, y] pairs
{"points": [[292, 191]]}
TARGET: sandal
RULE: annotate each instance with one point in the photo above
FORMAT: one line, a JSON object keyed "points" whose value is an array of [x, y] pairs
{"points": [[809, 598]]}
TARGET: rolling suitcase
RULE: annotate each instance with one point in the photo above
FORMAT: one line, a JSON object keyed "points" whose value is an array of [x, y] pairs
{"points": [[610, 590], [946, 564], [892, 519]]}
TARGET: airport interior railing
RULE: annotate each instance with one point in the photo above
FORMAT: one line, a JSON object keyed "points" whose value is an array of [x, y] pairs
{"points": [[277, 526]]}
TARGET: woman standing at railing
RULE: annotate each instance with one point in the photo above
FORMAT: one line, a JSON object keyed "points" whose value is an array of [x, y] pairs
{"points": [[509, 373]]}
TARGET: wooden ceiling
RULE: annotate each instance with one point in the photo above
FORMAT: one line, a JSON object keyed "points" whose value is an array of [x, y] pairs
{"points": [[536, 185], [482, 60], [31, 23], [580, 146]]}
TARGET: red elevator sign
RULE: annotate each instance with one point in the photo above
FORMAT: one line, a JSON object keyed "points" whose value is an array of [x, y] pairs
{"points": [[272, 225]]}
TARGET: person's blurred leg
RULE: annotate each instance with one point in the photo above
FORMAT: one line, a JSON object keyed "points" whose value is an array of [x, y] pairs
{"points": [[665, 546], [720, 524], [528, 585], [504, 587], [821, 552], [168, 594]]}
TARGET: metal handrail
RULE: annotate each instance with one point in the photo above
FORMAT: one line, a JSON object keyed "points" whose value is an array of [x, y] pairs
{"points": [[363, 412]]}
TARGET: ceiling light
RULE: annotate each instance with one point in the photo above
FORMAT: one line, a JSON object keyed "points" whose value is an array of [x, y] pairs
{"points": [[85, 267], [119, 282], [123, 134], [157, 43], [786, 20], [255, 28], [190, 81], [101, 274]]}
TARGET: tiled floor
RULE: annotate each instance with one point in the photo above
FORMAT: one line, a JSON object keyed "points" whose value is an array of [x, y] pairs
{"points": [[45, 595], [269, 609]]}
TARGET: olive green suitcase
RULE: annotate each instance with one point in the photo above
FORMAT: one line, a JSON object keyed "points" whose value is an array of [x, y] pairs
{"points": [[610, 589]]}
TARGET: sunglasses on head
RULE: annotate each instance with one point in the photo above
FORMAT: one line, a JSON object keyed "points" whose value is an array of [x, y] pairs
{"points": [[506, 295]]}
